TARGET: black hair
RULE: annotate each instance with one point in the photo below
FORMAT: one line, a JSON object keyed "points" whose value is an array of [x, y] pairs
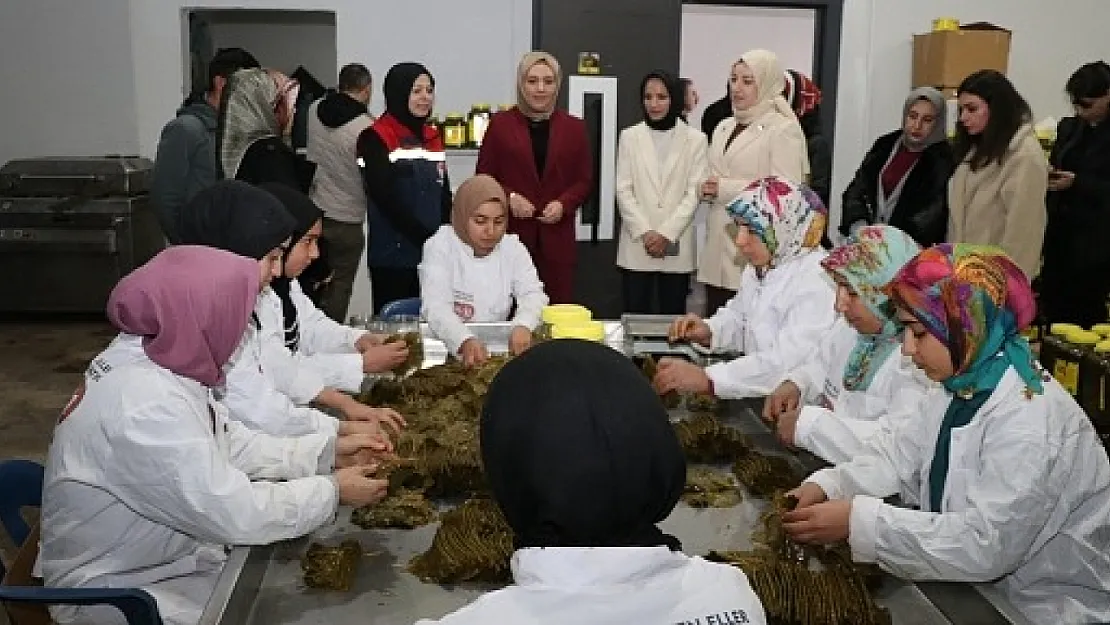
{"points": [[354, 77], [686, 83], [1089, 81], [226, 62], [1007, 110]]}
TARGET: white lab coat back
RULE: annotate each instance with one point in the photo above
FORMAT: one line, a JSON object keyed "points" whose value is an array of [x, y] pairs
{"points": [[147, 481], [457, 287], [1026, 504], [659, 197], [775, 322], [835, 421], [603, 586], [326, 354], [770, 146]]}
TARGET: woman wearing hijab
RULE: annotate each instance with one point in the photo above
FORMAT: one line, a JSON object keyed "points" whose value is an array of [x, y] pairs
{"points": [[857, 381], [405, 170], [1013, 482], [541, 157], [255, 116], [585, 525], [473, 272], [784, 305], [147, 480], [762, 138], [239, 218], [301, 346], [660, 163], [804, 97], [903, 180]]}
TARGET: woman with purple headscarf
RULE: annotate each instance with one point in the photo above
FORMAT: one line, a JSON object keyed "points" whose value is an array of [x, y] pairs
{"points": [[147, 480]]}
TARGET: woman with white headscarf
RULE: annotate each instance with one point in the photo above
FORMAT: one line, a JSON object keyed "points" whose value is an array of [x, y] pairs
{"points": [[903, 180], [762, 138]]}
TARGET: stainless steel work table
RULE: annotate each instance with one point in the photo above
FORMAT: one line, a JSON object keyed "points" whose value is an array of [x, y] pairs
{"points": [[264, 585]]}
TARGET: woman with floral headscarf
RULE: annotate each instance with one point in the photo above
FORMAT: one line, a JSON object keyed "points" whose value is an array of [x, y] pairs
{"points": [[784, 305], [761, 138], [857, 376], [256, 115], [1014, 484]]}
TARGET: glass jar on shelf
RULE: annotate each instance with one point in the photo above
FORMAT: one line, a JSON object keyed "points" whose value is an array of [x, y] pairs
{"points": [[454, 131], [477, 122]]}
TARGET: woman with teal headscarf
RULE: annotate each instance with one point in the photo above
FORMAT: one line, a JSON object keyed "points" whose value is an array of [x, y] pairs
{"points": [[857, 380], [1013, 481]]}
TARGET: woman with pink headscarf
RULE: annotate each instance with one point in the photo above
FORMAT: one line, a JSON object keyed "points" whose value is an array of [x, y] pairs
{"points": [[147, 480]]}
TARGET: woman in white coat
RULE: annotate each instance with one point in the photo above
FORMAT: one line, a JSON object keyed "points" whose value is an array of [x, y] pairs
{"points": [[784, 305], [588, 549], [660, 163], [761, 139], [857, 381], [147, 480], [472, 272], [1014, 484]]}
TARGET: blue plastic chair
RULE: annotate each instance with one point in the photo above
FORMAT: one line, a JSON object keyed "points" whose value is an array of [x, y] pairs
{"points": [[409, 307], [21, 486]]}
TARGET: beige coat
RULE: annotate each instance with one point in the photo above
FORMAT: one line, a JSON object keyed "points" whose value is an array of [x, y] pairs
{"points": [[1003, 204], [772, 145], [664, 200]]}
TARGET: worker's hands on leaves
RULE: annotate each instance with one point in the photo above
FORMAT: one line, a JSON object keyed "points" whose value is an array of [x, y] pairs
{"points": [[785, 398], [520, 206], [520, 339], [821, 524], [384, 357], [807, 495], [357, 489], [552, 213], [655, 244], [359, 449], [674, 374], [690, 327], [368, 340], [473, 352], [786, 427], [372, 428]]}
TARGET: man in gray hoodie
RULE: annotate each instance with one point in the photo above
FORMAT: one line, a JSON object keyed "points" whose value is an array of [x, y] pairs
{"points": [[186, 159]]}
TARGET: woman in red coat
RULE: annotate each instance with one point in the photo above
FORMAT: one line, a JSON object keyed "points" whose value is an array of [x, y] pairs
{"points": [[541, 157]]}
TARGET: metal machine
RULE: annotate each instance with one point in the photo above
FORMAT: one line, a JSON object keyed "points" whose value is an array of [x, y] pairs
{"points": [[70, 228]]}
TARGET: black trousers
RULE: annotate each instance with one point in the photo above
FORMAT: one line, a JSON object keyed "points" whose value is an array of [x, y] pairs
{"points": [[388, 284], [655, 292], [715, 297]]}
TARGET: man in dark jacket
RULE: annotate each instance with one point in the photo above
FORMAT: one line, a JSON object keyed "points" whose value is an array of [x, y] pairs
{"points": [[186, 159]]}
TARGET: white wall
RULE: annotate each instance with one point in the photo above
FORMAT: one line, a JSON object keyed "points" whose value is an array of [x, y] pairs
{"points": [[1051, 39], [281, 39], [65, 68], [714, 37]]}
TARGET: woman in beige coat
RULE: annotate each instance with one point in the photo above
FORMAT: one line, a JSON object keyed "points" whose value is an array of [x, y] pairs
{"points": [[997, 195], [660, 165], [761, 139]]}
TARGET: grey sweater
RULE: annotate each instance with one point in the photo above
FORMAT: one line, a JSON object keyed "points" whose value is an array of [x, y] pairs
{"points": [[185, 163]]}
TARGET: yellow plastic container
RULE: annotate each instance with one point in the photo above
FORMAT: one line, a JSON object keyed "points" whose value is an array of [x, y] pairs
{"points": [[585, 330], [1102, 329], [556, 314], [1085, 338], [945, 23], [1062, 329]]}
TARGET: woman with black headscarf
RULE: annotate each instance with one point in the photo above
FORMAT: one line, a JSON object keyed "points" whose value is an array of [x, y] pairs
{"points": [[408, 192], [583, 480], [660, 163]]}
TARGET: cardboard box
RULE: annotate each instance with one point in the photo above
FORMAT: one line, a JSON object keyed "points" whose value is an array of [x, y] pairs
{"points": [[943, 59]]}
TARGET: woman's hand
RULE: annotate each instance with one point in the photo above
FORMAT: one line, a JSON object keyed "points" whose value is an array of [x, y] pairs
{"points": [[520, 206], [785, 398], [355, 435], [520, 339], [655, 244], [377, 416], [359, 448], [473, 352], [807, 494], [710, 188], [552, 213], [384, 357], [674, 374], [368, 340], [357, 489], [786, 428], [690, 327], [1059, 180], [821, 524]]}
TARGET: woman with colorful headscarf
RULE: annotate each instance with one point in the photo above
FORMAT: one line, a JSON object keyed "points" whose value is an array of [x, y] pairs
{"points": [[147, 480], [856, 380], [584, 478], [255, 116], [541, 157], [660, 163], [784, 305], [762, 138], [473, 272], [1014, 484]]}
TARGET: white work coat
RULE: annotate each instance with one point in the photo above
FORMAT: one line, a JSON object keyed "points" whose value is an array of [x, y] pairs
{"points": [[252, 398], [326, 354], [1026, 504], [775, 322], [607, 585], [834, 422], [147, 481], [659, 194], [457, 287]]}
